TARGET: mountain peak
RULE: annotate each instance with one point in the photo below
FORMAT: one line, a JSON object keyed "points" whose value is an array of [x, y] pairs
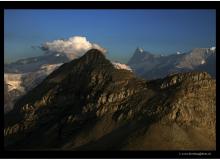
{"points": [[94, 53], [139, 50], [90, 93], [93, 57], [139, 55]]}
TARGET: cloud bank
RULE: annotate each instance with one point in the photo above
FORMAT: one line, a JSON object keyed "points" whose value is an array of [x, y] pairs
{"points": [[73, 47]]}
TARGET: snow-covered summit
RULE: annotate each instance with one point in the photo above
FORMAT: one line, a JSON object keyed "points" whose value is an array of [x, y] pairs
{"points": [[141, 50], [203, 62]]}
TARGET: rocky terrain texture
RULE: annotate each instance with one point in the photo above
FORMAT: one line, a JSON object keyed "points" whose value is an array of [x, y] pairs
{"points": [[7, 99], [25, 74], [88, 104], [152, 66]]}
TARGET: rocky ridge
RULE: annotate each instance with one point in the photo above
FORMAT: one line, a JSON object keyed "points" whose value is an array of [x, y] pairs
{"points": [[87, 104], [152, 66]]}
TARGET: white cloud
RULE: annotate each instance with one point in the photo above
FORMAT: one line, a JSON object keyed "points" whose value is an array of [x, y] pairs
{"points": [[73, 47], [121, 66]]}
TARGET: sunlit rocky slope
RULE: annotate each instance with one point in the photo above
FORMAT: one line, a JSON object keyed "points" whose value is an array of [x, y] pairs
{"points": [[88, 104]]}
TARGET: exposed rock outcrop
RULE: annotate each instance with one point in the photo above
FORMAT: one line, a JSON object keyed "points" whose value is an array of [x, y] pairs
{"points": [[87, 104]]}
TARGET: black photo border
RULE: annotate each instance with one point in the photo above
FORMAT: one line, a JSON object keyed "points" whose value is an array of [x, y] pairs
{"points": [[109, 5]]}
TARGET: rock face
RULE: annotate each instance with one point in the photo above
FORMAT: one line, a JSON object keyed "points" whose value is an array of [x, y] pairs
{"points": [[88, 104], [150, 66], [25, 74], [7, 99]]}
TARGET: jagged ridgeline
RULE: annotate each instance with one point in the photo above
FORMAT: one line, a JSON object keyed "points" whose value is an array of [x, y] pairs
{"points": [[88, 104]]}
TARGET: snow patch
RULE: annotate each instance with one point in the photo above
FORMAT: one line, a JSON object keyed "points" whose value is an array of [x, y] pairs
{"points": [[203, 62], [178, 52], [121, 66], [179, 67], [14, 81], [141, 50], [50, 67], [212, 48]]}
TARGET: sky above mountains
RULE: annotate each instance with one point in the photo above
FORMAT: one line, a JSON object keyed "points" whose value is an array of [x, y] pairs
{"points": [[29, 33]]}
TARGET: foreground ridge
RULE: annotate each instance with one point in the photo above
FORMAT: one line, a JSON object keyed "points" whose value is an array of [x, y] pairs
{"points": [[88, 104]]}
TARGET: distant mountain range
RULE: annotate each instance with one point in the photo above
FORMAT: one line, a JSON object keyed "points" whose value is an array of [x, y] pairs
{"points": [[152, 66], [34, 63], [91, 104], [25, 74]]}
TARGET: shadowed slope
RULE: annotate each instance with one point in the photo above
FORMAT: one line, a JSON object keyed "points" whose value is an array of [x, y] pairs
{"points": [[87, 104]]}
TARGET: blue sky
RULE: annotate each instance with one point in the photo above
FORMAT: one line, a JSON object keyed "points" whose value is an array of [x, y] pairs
{"points": [[119, 31]]}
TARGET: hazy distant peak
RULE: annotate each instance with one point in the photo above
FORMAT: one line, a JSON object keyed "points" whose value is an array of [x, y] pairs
{"points": [[151, 66], [141, 50], [203, 49]]}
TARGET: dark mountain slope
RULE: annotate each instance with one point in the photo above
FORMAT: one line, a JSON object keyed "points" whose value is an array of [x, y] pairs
{"points": [[87, 104]]}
